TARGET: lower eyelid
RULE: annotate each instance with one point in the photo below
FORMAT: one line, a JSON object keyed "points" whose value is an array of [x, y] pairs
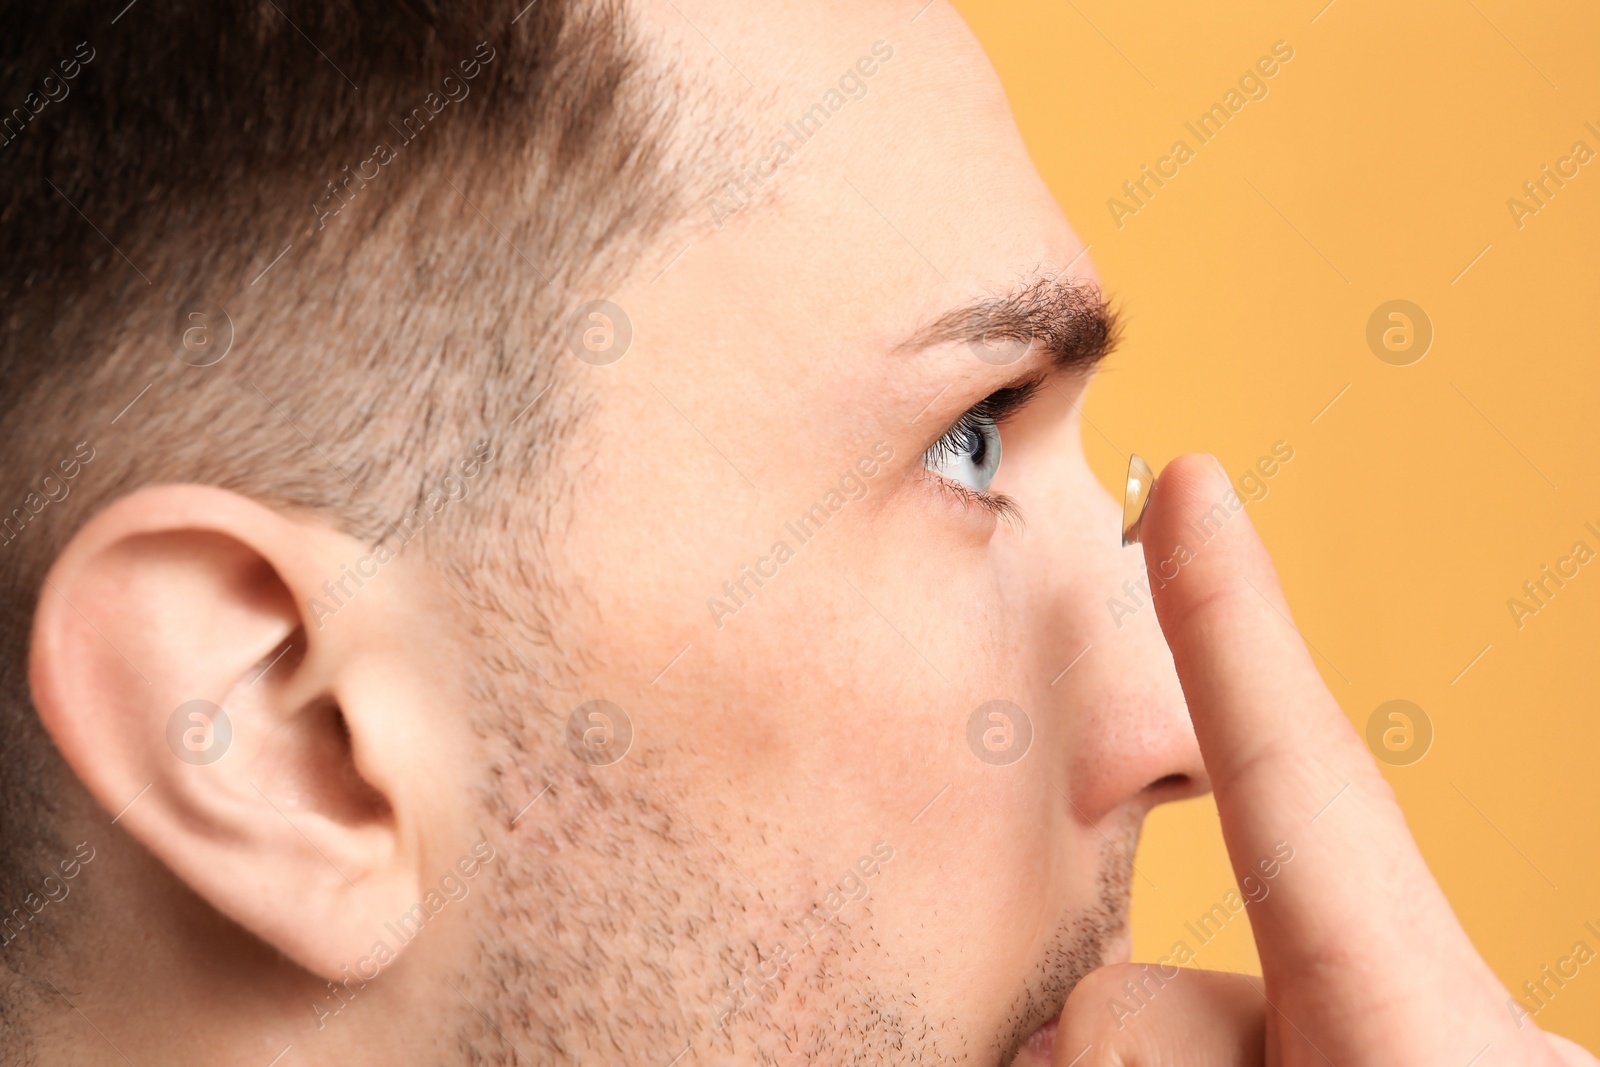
{"points": [[995, 504]]}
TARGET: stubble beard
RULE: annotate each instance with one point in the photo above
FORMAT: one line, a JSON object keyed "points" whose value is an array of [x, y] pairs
{"points": [[616, 926]]}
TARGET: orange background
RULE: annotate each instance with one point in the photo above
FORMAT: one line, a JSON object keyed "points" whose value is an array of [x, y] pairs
{"points": [[1378, 167]]}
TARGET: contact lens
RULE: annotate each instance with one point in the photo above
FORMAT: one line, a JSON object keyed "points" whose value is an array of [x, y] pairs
{"points": [[1136, 498]]}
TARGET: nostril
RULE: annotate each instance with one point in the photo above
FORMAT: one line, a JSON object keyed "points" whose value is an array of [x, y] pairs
{"points": [[1178, 786]]}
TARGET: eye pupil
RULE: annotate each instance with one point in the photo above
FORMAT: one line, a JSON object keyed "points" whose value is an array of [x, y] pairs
{"points": [[980, 446]]}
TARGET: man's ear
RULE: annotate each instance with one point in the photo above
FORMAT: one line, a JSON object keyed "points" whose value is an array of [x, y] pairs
{"points": [[224, 688]]}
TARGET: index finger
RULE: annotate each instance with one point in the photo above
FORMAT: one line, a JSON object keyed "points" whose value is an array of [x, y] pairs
{"points": [[1290, 774]]}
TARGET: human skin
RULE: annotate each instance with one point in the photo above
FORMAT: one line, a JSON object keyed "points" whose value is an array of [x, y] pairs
{"points": [[774, 747]]}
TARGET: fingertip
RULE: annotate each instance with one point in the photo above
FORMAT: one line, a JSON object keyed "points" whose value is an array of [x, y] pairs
{"points": [[1197, 538], [1188, 490], [1198, 474]]}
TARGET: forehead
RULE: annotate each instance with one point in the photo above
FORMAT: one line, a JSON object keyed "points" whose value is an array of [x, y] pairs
{"points": [[880, 178]]}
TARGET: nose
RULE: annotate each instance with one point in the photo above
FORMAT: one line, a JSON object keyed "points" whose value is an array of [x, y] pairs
{"points": [[1127, 742]]}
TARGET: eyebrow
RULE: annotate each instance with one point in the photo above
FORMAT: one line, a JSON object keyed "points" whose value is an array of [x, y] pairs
{"points": [[1072, 322]]}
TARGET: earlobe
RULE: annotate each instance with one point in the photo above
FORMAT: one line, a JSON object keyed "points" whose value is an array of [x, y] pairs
{"points": [[177, 666]]}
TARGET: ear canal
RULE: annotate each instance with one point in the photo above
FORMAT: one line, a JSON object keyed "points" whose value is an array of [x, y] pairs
{"points": [[320, 768]]}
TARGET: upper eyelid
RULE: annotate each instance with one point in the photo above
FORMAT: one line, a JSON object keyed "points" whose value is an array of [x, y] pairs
{"points": [[1006, 401], [1001, 403]]}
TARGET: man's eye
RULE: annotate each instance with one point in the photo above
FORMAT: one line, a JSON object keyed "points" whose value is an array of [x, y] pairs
{"points": [[968, 453]]}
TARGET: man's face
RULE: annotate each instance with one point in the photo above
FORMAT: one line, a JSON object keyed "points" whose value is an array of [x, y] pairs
{"points": [[821, 845]]}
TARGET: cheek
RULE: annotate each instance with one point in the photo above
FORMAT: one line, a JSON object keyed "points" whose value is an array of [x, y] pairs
{"points": [[822, 673]]}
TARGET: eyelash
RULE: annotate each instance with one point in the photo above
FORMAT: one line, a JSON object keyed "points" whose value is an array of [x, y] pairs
{"points": [[997, 407]]}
